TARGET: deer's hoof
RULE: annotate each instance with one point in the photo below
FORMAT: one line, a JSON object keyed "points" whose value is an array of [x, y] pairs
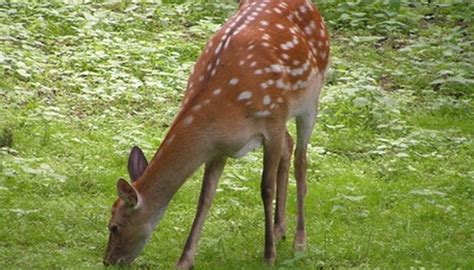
{"points": [[270, 257], [300, 242], [185, 265]]}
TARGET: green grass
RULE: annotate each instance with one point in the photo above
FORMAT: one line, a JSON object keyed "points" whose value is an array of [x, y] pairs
{"points": [[391, 179]]}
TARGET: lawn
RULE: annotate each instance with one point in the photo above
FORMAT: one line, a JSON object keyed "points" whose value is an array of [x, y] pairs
{"points": [[391, 160]]}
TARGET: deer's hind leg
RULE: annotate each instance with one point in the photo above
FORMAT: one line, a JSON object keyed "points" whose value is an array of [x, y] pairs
{"points": [[304, 127], [282, 188]]}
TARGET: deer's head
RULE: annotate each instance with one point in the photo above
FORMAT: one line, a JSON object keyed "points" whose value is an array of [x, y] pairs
{"points": [[132, 223]]}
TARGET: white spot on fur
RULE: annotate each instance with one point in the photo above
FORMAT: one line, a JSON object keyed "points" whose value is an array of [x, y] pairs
{"points": [[170, 139], [244, 95], [323, 33], [196, 108], [188, 120], [218, 49], [303, 9], [227, 43], [234, 81], [280, 84], [262, 113], [217, 91], [266, 100], [276, 68]]}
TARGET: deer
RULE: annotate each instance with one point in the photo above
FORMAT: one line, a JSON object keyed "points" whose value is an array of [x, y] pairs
{"points": [[264, 67]]}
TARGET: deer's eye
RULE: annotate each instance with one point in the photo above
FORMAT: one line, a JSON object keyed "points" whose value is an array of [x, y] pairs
{"points": [[113, 229]]}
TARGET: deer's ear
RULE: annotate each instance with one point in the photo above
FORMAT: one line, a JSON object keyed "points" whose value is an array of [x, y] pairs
{"points": [[137, 163], [127, 193]]}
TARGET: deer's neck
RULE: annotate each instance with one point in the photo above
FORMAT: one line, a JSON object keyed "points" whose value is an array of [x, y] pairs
{"points": [[179, 156]]}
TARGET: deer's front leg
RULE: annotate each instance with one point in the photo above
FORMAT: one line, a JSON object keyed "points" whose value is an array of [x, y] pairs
{"points": [[271, 160], [212, 173]]}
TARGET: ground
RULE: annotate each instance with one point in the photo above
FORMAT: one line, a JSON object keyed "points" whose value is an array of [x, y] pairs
{"points": [[391, 159]]}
